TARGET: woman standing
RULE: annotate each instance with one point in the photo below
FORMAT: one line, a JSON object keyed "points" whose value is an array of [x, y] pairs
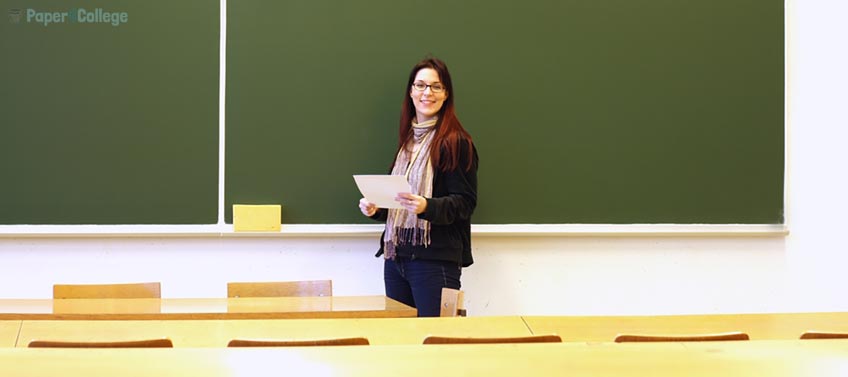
{"points": [[428, 241]]}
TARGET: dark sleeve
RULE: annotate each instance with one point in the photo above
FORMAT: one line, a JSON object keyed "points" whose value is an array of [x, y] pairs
{"points": [[456, 197], [381, 215]]}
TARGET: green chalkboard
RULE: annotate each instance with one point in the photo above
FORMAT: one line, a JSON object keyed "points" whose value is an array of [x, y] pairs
{"points": [[109, 112], [601, 111], [605, 111]]}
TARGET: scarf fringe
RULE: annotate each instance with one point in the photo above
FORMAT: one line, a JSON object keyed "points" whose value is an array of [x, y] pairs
{"points": [[406, 236], [411, 236]]}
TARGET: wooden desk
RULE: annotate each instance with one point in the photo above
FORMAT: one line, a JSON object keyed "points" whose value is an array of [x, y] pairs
{"points": [[823, 358], [759, 326], [9, 333], [205, 308], [217, 333]]}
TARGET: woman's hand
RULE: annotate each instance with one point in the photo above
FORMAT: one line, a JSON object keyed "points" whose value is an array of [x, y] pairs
{"points": [[411, 202], [367, 208]]}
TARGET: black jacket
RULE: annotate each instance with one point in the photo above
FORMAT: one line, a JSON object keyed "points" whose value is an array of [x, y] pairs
{"points": [[449, 213]]}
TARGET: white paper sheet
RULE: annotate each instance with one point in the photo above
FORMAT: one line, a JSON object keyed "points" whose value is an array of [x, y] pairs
{"points": [[382, 189]]}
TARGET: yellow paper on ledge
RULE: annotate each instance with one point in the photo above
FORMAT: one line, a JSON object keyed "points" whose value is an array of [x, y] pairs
{"points": [[257, 218]]}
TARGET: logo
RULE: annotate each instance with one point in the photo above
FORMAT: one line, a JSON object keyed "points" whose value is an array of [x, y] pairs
{"points": [[15, 16], [71, 16]]}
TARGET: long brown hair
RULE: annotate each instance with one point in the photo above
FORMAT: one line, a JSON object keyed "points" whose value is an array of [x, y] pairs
{"points": [[448, 132]]}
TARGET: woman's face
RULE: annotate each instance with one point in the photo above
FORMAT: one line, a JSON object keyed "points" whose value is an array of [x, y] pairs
{"points": [[428, 101]]}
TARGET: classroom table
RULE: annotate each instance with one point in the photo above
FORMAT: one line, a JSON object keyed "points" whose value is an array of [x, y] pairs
{"points": [[820, 358], [217, 333], [762, 326], [205, 308], [9, 332]]}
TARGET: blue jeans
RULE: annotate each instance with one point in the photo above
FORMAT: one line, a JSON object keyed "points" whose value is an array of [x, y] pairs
{"points": [[418, 283]]}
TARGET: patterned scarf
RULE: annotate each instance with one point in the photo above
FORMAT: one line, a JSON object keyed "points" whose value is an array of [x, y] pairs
{"points": [[413, 161]]}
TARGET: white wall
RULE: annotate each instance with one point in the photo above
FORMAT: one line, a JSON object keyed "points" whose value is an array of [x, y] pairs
{"points": [[549, 275], [817, 134]]}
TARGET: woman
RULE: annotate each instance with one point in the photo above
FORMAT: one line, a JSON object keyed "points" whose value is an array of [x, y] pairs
{"points": [[428, 242]]}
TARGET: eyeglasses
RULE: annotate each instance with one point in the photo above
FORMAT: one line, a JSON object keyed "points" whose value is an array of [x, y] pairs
{"points": [[435, 88]]}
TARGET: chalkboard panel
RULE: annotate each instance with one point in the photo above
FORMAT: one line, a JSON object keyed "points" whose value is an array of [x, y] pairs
{"points": [[109, 119], [606, 111]]}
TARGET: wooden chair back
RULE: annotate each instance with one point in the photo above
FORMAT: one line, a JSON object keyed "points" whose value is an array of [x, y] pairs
{"points": [[304, 288], [299, 343], [824, 335], [143, 343], [623, 338], [130, 290], [453, 304], [522, 339]]}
